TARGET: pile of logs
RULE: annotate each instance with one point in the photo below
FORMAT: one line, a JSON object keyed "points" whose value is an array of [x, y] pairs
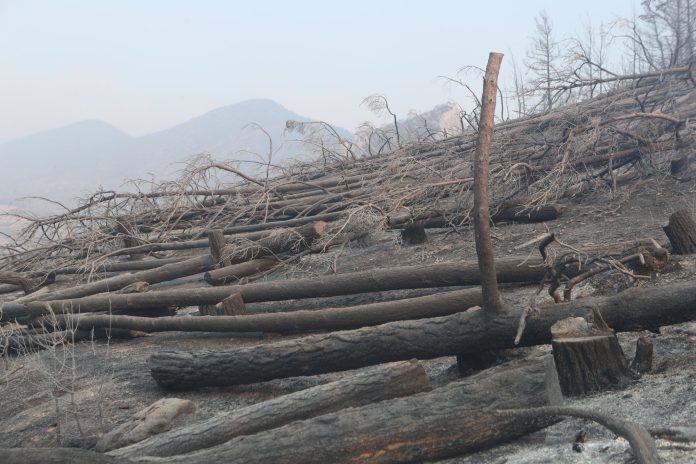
{"points": [[122, 264]]}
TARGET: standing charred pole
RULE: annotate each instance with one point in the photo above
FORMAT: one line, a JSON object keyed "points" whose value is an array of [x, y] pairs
{"points": [[482, 220]]}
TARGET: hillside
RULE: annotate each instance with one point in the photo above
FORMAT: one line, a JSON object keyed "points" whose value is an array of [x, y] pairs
{"points": [[70, 161], [335, 313]]}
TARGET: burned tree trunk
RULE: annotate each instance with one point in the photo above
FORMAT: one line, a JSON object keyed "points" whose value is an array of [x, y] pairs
{"points": [[55, 456], [449, 421], [377, 280], [588, 358], [217, 244], [482, 227], [151, 276], [235, 272], [681, 231], [233, 305], [287, 322], [413, 234], [679, 165], [17, 280], [470, 332], [285, 241], [643, 360], [520, 213], [505, 212], [365, 387]]}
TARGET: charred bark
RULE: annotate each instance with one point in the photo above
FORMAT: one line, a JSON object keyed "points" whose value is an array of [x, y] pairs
{"points": [[151, 276], [461, 333], [288, 322], [235, 272], [681, 231], [365, 387], [377, 280]]}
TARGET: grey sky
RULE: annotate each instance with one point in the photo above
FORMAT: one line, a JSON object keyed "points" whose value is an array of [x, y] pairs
{"points": [[146, 65]]}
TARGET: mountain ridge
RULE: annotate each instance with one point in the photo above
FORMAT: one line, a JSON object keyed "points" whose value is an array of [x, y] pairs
{"points": [[80, 157]]}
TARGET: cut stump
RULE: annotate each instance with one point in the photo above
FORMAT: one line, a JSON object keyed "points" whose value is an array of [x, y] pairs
{"points": [[681, 231], [588, 357], [643, 360]]}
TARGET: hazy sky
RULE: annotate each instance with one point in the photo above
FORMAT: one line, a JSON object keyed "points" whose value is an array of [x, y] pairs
{"points": [[144, 65]]}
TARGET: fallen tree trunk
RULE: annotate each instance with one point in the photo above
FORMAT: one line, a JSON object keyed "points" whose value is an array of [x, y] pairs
{"points": [[398, 278], [151, 276], [199, 243], [233, 273], [264, 226], [501, 213], [116, 267], [18, 281], [55, 456], [439, 304], [461, 333], [448, 421], [294, 240], [365, 387]]}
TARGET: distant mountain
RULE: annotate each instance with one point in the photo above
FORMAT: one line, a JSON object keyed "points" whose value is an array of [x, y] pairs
{"points": [[70, 161], [59, 160]]}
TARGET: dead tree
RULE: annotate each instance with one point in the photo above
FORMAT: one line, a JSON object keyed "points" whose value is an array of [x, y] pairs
{"points": [[484, 247]]}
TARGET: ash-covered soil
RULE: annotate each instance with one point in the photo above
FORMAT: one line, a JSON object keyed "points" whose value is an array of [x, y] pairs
{"points": [[67, 396]]}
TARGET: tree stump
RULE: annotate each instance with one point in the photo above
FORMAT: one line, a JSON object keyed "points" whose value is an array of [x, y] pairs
{"points": [[216, 238], [413, 234], [588, 357], [679, 165], [233, 305], [681, 231], [643, 360]]}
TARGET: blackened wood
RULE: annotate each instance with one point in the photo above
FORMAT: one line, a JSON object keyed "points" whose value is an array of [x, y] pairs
{"points": [[499, 214], [151, 276], [18, 281], [469, 332], [679, 165], [482, 220], [289, 322], [413, 234], [377, 280], [293, 240], [520, 213], [643, 360], [368, 386], [681, 231], [264, 226], [235, 272], [55, 456], [152, 420], [588, 356], [449, 421], [118, 267], [590, 364], [217, 245]]}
